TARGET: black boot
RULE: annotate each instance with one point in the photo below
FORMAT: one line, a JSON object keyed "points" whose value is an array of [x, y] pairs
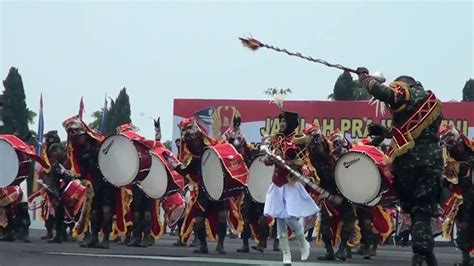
{"points": [[106, 226], [373, 249], [329, 256], [136, 236], [276, 244], [341, 252], [58, 226], [349, 252], [49, 224], [8, 234], [125, 240], [431, 260], [366, 251], [196, 242], [91, 241], [417, 260], [245, 238], [309, 237], [263, 233], [245, 246], [201, 236], [179, 243], [466, 259], [24, 222], [221, 232], [105, 241], [146, 228], [261, 245]]}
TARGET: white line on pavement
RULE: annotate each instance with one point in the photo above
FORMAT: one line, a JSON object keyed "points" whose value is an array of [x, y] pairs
{"points": [[188, 259]]}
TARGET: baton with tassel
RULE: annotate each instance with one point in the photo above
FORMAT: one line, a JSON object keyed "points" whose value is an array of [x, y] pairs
{"points": [[306, 180], [254, 44]]}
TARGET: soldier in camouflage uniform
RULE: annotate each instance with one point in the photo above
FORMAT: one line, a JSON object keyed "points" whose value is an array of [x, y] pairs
{"points": [[415, 153], [322, 154], [459, 175]]}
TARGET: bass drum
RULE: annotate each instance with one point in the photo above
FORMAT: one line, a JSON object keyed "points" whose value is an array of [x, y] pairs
{"points": [[162, 180], [223, 170], [123, 161], [363, 177], [260, 179], [14, 164]]}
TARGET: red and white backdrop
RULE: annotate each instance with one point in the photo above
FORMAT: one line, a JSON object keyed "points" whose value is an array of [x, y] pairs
{"points": [[259, 117]]}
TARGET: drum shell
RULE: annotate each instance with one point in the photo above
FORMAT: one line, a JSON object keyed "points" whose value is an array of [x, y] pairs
{"points": [[73, 198], [24, 168], [174, 207], [231, 186], [144, 158]]}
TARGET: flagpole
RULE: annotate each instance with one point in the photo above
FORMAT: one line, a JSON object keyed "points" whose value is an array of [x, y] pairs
{"points": [[81, 108], [103, 122], [40, 131]]}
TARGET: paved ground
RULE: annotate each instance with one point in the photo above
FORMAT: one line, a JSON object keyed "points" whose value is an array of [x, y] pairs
{"points": [[163, 253]]}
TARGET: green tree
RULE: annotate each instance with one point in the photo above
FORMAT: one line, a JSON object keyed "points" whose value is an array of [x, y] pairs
{"points": [[16, 115], [119, 112], [468, 91], [343, 87], [168, 144], [97, 115], [359, 92]]}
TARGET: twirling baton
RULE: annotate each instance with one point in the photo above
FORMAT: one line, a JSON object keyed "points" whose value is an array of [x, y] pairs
{"points": [[254, 44], [337, 199]]}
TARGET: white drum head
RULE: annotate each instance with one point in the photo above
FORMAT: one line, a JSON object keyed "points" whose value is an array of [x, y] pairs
{"points": [[358, 177], [155, 183], [9, 164], [260, 179], [212, 174], [118, 160]]}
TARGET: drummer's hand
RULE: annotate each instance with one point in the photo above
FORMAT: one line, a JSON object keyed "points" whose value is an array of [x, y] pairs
{"points": [[268, 161], [336, 199]]}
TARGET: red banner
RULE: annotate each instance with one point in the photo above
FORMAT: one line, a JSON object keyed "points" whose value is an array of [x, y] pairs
{"points": [[260, 118]]}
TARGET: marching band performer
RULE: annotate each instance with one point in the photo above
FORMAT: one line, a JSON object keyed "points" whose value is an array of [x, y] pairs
{"points": [[193, 142], [56, 158], [252, 212], [14, 216], [286, 199], [83, 149], [460, 180], [47, 209], [140, 206], [416, 157], [321, 156], [375, 221]]}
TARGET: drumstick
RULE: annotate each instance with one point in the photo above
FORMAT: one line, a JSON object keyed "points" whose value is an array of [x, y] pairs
{"points": [[301, 177]]}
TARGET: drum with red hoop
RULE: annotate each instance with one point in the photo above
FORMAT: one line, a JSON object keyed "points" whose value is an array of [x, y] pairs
{"points": [[260, 179], [14, 161], [10, 195], [363, 177], [123, 159], [223, 170], [162, 180], [174, 207], [73, 199]]}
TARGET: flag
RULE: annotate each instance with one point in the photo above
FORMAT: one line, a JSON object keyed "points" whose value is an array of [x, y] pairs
{"points": [[103, 122], [81, 108], [39, 134]]}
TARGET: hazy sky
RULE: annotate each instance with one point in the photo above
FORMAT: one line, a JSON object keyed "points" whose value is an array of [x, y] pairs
{"points": [[161, 50]]}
